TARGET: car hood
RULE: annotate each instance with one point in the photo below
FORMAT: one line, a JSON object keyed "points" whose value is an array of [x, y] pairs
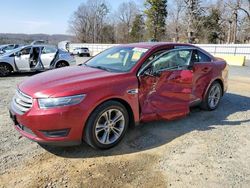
{"points": [[65, 81], [3, 55]]}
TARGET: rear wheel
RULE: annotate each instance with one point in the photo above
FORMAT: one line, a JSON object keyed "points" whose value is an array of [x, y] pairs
{"points": [[61, 64], [5, 69], [107, 125], [213, 96]]}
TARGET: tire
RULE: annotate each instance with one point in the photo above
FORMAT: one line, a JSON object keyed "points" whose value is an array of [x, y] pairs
{"points": [[213, 97], [5, 69], [102, 134], [61, 64]]}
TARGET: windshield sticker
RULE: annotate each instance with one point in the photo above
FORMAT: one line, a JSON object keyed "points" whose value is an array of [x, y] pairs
{"points": [[142, 50]]}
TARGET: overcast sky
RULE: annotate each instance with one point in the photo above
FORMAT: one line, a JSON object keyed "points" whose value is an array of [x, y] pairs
{"points": [[40, 16]]}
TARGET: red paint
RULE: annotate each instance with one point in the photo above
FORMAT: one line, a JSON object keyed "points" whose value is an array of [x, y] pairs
{"points": [[167, 96]]}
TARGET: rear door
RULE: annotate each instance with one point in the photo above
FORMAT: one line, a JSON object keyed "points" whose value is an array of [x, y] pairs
{"points": [[47, 56], [166, 86], [203, 73], [22, 60]]}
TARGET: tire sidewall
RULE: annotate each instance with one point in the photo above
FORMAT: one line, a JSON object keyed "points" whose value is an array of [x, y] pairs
{"points": [[61, 62], [9, 70], [89, 132], [207, 96]]}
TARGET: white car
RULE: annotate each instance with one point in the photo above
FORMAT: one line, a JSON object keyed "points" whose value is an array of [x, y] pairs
{"points": [[34, 58], [81, 51]]}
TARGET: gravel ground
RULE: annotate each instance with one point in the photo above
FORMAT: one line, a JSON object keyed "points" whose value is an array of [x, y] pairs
{"points": [[205, 149]]}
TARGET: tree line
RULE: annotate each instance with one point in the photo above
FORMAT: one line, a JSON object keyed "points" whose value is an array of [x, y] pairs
{"points": [[194, 21]]}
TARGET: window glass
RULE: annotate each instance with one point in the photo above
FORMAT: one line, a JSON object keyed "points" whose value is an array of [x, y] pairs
{"points": [[155, 55], [9, 47], [120, 59], [48, 50], [25, 51], [173, 60], [203, 57], [195, 57], [152, 57]]}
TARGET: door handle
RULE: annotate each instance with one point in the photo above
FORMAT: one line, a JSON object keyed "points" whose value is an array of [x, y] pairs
{"points": [[205, 69]]}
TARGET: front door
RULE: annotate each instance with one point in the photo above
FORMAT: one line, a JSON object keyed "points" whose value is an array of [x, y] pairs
{"points": [[166, 86], [22, 59]]}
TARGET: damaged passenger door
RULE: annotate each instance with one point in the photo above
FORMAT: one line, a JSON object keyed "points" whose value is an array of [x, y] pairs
{"points": [[48, 55], [166, 86]]}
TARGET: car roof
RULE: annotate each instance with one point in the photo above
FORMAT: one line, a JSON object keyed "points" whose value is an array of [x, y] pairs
{"points": [[150, 45], [155, 45], [38, 45]]}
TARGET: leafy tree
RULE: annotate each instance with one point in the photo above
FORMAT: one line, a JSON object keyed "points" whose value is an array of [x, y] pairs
{"points": [[156, 12], [137, 28], [212, 27], [108, 34]]}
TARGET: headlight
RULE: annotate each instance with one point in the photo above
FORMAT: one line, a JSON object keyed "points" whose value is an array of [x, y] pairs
{"points": [[61, 101]]}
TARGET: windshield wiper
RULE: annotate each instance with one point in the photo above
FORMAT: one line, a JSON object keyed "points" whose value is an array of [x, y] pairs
{"points": [[100, 67]]}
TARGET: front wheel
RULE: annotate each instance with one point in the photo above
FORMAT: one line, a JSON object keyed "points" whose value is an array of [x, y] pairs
{"points": [[5, 70], [107, 125], [213, 97]]}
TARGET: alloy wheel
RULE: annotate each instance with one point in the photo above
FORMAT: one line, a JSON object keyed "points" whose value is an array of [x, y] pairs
{"points": [[110, 126], [4, 70], [214, 96]]}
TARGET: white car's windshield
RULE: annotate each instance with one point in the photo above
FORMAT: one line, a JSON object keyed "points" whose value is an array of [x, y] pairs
{"points": [[117, 59], [12, 51]]}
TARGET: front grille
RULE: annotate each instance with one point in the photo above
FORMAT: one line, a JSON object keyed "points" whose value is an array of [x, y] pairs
{"points": [[21, 102]]}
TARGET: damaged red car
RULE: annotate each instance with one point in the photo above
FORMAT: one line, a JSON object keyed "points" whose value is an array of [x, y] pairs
{"points": [[97, 101]]}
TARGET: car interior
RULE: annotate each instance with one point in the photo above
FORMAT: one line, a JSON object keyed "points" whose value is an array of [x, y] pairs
{"points": [[34, 57]]}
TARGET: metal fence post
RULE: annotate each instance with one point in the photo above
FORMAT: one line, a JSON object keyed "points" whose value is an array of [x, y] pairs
{"points": [[235, 50]]}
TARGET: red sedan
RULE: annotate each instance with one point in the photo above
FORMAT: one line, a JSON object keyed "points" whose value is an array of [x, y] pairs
{"points": [[122, 86]]}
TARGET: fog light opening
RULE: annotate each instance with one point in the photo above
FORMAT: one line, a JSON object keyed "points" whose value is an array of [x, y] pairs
{"points": [[56, 133]]}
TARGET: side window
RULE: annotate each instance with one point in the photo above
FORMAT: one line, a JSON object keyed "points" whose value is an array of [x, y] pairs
{"points": [[48, 50], [195, 57], [177, 59], [203, 57], [25, 51], [153, 56]]}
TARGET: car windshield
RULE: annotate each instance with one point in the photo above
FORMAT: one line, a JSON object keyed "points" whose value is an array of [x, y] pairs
{"points": [[12, 51], [117, 59]]}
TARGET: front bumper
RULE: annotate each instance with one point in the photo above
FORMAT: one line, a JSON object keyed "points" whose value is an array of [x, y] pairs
{"points": [[58, 126]]}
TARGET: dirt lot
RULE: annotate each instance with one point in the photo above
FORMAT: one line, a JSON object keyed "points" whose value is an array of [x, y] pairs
{"points": [[205, 149]]}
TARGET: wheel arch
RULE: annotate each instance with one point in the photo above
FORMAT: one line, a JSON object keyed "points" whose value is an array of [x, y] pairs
{"points": [[123, 102], [221, 84], [219, 80], [61, 60], [12, 68]]}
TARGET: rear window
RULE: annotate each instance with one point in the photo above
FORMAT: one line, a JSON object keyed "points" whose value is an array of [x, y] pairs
{"points": [[203, 57], [48, 50]]}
